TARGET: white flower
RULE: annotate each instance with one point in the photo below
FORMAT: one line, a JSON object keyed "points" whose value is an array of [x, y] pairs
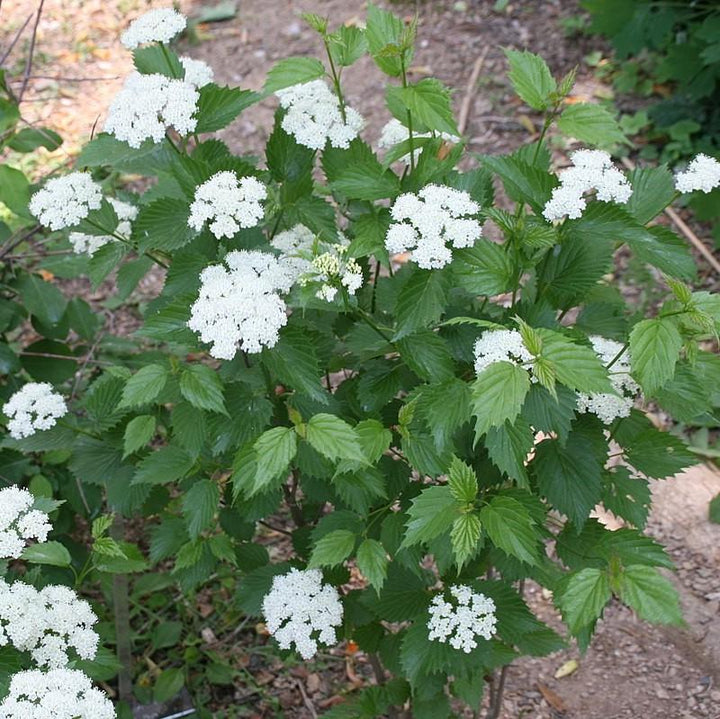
{"points": [[34, 407], [605, 405], [47, 623], [159, 25], [19, 522], [148, 105], [90, 244], [57, 694], [241, 308], [703, 174], [500, 346], [591, 170], [197, 72], [394, 132], [228, 202], [65, 201], [299, 609], [460, 622], [314, 116], [424, 224], [296, 247]]}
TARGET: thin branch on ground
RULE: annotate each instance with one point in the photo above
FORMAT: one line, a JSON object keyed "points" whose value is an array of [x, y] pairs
{"points": [[31, 53], [470, 90], [13, 42]]}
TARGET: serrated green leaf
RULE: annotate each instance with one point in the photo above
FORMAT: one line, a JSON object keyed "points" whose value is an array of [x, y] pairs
{"points": [[509, 446], [384, 31], [584, 597], [201, 386], [592, 124], [511, 528], [274, 449], [653, 191], [432, 512], [498, 395], [334, 438], [51, 553], [347, 45], [654, 351], [373, 562], [462, 482], [484, 269], [465, 537], [219, 106], [421, 301], [429, 102], [144, 386], [293, 71], [200, 504], [164, 465], [43, 300], [163, 225], [531, 78], [332, 549], [139, 431], [651, 595]]}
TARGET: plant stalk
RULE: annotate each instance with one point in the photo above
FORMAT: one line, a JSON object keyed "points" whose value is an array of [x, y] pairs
{"points": [[121, 609]]}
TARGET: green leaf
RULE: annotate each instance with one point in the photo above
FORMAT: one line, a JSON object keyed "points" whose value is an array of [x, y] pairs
{"points": [[531, 78], [592, 124], [429, 102], [465, 537], [432, 512], [168, 684], [275, 449], [653, 191], [574, 365], [164, 465], [14, 190], [157, 60], [42, 300], [652, 596], [347, 45], [420, 301], [569, 476], [445, 407], [200, 504], [144, 386], [384, 32], [484, 269], [138, 433], [664, 249], [511, 528], [714, 509], [626, 496], [149, 159], [162, 225], [201, 386], [334, 438], [584, 597], [498, 395], [522, 181], [332, 549], [509, 446], [83, 319], [30, 138], [658, 454], [654, 351], [366, 179], [52, 553], [292, 71], [372, 561], [427, 354], [219, 106], [462, 482]]}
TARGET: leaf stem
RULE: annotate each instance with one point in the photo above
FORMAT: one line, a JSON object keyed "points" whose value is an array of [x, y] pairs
{"points": [[336, 80], [409, 114]]}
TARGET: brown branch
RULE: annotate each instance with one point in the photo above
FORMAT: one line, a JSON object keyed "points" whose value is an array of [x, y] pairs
{"points": [[13, 42], [470, 90], [31, 53]]}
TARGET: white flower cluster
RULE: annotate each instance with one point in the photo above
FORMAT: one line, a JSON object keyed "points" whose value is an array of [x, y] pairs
{"points": [[592, 170], [47, 623], [241, 308], [703, 174], [394, 132], [159, 25], [460, 622], [57, 694], [65, 201], [605, 405], [19, 522], [197, 72], [34, 407], [296, 247], [230, 204], [314, 116], [147, 105], [300, 609], [331, 268], [500, 346], [425, 222], [90, 244]]}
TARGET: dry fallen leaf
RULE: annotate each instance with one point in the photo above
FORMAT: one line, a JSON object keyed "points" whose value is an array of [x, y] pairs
{"points": [[568, 668], [553, 699]]}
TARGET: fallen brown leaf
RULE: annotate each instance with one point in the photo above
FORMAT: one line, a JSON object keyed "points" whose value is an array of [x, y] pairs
{"points": [[553, 699]]}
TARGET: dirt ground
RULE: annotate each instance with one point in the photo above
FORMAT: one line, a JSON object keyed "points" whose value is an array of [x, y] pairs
{"points": [[632, 670]]}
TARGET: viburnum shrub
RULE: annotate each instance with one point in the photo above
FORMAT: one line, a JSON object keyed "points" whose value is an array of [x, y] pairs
{"points": [[428, 390]]}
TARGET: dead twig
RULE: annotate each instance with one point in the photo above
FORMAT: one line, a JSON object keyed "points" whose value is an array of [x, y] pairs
{"points": [[694, 240], [31, 53], [306, 699], [470, 90], [13, 42]]}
